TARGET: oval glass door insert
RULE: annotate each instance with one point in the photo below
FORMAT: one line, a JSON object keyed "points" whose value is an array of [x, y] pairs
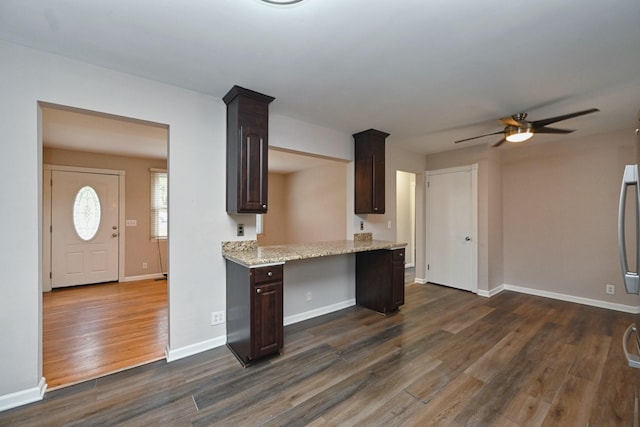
{"points": [[86, 213]]}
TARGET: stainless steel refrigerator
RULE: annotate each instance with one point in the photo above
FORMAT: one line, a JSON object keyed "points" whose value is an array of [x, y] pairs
{"points": [[629, 245]]}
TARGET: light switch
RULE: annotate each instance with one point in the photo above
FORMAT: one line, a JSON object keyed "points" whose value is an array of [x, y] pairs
{"points": [[131, 223]]}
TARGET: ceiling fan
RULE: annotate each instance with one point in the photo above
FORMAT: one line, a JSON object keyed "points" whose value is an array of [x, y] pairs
{"points": [[518, 128]]}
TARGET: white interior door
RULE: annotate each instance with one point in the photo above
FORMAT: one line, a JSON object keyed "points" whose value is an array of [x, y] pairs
{"points": [[84, 228], [451, 227]]}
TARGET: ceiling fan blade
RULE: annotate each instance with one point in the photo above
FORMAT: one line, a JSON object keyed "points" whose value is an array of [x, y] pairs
{"points": [[552, 130], [539, 123], [476, 137], [510, 121], [499, 143]]}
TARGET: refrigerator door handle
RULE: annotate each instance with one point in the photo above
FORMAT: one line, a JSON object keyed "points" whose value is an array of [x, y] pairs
{"points": [[633, 360], [631, 279]]}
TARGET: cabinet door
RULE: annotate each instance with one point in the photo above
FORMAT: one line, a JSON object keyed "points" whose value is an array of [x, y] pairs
{"points": [[253, 169], [397, 278], [378, 182], [267, 319], [369, 178]]}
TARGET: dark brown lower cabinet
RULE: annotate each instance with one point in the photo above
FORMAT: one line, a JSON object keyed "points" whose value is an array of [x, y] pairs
{"points": [[380, 280], [254, 311]]}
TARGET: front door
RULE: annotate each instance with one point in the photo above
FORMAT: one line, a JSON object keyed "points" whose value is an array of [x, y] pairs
{"points": [[451, 229], [84, 228]]}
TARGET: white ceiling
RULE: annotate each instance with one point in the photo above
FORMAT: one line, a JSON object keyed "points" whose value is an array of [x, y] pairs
{"points": [[427, 72]]}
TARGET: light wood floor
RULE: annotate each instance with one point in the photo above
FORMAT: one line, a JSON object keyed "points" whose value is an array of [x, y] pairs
{"points": [[91, 331], [448, 358]]}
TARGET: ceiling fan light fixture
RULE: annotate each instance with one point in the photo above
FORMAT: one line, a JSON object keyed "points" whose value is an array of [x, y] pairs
{"points": [[518, 134]]}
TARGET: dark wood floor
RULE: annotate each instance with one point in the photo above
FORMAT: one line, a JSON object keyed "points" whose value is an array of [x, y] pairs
{"points": [[448, 358]]}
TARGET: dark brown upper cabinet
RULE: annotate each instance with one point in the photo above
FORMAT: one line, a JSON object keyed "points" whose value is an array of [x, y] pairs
{"points": [[247, 150], [369, 171]]}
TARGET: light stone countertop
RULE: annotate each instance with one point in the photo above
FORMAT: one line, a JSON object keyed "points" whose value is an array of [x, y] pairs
{"points": [[249, 254]]}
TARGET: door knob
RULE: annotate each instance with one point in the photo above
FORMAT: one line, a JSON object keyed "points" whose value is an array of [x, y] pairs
{"points": [[467, 238], [114, 235], [115, 227]]}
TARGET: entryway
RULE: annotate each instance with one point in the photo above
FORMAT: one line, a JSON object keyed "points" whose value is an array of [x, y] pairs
{"points": [[451, 227], [105, 303]]}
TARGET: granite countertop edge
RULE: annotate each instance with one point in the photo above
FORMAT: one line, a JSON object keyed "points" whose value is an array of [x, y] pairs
{"points": [[279, 254]]}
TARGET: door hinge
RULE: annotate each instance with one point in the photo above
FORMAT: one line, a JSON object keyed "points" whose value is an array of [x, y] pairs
{"points": [[428, 184], [50, 275], [427, 266], [51, 229]]}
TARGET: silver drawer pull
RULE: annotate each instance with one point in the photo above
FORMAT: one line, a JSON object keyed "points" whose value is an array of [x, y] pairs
{"points": [[270, 273], [632, 359], [259, 290]]}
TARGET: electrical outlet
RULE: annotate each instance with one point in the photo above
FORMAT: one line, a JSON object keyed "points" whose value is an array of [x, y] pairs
{"points": [[309, 296], [240, 229], [145, 265], [217, 317], [610, 289], [389, 225]]}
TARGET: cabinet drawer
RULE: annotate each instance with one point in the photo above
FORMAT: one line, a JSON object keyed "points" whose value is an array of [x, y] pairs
{"points": [[267, 274], [398, 255]]}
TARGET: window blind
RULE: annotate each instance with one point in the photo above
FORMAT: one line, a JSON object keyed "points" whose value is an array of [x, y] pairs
{"points": [[159, 204]]}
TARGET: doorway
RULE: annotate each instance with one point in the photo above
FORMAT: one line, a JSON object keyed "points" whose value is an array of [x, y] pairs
{"points": [[93, 153], [451, 227], [406, 215]]}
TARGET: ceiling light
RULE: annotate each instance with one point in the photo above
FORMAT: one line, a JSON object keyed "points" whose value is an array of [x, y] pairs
{"points": [[518, 134], [283, 2]]}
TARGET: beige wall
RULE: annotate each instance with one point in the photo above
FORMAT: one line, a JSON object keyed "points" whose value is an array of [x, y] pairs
{"points": [[138, 246], [306, 206], [560, 215], [274, 221]]}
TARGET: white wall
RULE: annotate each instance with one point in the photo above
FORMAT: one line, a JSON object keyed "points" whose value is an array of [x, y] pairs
{"points": [[198, 221]]}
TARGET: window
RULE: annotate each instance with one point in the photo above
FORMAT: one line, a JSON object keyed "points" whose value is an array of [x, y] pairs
{"points": [[86, 213], [159, 204]]}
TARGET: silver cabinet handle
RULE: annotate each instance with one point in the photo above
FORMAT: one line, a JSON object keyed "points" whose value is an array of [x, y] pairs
{"points": [[632, 359], [631, 279], [259, 291], [270, 273]]}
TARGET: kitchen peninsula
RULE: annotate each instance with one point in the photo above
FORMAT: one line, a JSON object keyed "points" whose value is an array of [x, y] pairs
{"points": [[255, 285]]}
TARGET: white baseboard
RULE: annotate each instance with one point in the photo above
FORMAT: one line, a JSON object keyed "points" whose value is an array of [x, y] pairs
{"points": [[571, 298], [23, 397], [142, 277], [190, 350], [490, 292], [420, 280], [289, 320]]}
